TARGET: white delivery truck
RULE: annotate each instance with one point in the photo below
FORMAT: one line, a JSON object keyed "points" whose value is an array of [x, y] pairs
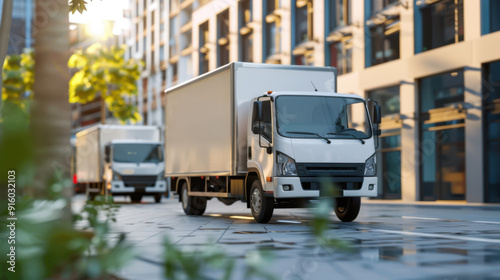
{"points": [[121, 160], [271, 136]]}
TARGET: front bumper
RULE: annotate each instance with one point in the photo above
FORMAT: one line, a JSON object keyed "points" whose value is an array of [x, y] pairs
{"points": [[368, 187], [160, 186]]}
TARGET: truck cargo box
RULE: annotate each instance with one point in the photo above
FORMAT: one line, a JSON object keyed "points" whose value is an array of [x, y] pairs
{"points": [[206, 118]]}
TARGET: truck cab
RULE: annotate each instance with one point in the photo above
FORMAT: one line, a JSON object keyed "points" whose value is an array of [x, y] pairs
{"points": [[303, 145], [135, 168]]}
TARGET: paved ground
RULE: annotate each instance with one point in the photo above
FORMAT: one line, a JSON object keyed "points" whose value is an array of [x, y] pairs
{"points": [[387, 241]]}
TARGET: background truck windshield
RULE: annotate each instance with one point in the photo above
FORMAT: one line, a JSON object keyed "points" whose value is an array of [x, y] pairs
{"points": [[137, 153], [331, 117]]}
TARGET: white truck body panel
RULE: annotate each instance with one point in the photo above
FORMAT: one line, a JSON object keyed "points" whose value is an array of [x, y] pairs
{"points": [[91, 143], [206, 118]]}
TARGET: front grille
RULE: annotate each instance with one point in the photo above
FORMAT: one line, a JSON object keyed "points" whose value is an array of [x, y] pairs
{"points": [[139, 181], [330, 169], [315, 186]]}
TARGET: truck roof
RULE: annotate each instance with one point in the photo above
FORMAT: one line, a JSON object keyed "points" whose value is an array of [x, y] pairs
{"points": [[133, 141], [114, 126], [315, 93]]}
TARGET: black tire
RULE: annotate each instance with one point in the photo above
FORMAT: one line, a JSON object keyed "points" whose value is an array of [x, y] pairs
{"points": [[136, 197], [347, 208], [158, 197], [192, 205], [262, 207]]}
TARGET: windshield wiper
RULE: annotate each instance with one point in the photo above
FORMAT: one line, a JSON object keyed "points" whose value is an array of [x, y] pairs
{"points": [[362, 141], [310, 133]]}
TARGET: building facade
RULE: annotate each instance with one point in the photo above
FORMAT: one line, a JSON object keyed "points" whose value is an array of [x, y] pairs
{"points": [[434, 65]]}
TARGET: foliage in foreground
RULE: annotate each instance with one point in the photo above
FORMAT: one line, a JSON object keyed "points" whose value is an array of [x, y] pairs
{"points": [[49, 248]]}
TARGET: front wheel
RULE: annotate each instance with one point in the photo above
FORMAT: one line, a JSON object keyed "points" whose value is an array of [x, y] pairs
{"points": [[136, 197], [262, 207], [192, 205], [158, 197], [347, 208]]}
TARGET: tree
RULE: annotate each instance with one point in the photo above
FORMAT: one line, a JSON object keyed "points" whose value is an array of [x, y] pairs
{"points": [[104, 70], [18, 78], [6, 21]]}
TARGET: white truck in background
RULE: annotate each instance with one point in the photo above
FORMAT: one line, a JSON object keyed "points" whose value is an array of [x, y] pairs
{"points": [[121, 160], [271, 136]]}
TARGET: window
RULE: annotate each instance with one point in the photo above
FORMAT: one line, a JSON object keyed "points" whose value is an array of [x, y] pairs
{"points": [[245, 12], [272, 30], [223, 38], [175, 75], [203, 48], [174, 41], [379, 5], [186, 15], [186, 39], [245, 32], [442, 24], [305, 59], [388, 98], [385, 41], [442, 147], [341, 55], [340, 13], [494, 18], [162, 53], [310, 116], [247, 47], [491, 94], [303, 21]]}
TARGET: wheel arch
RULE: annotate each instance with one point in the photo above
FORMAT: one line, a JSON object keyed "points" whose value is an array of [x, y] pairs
{"points": [[179, 183], [252, 173]]}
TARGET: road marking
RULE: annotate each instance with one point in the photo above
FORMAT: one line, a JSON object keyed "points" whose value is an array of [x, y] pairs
{"points": [[434, 235], [288, 221], [487, 222], [450, 220], [420, 218]]}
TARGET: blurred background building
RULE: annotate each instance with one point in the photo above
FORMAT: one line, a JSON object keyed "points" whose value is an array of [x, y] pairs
{"points": [[21, 34], [434, 65]]}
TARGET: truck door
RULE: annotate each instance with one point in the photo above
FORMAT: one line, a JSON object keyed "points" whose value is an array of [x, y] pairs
{"points": [[261, 142]]}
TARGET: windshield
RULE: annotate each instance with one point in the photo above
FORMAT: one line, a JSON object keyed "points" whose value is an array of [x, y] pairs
{"points": [[137, 153], [331, 117]]}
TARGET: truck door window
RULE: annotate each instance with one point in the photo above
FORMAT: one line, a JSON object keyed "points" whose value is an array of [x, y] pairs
{"points": [[267, 124]]}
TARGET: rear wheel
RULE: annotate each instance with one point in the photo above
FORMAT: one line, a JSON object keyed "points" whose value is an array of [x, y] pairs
{"points": [[192, 205], [262, 207], [158, 197], [347, 208], [136, 197]]}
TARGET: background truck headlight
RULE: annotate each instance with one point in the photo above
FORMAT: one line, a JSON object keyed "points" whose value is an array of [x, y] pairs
{"points": [[116, 176], [286, 165], [371, 166]]}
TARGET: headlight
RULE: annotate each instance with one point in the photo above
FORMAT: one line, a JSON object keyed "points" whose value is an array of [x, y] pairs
{"points": [[286, 165], [116, 176], [371, 166]]}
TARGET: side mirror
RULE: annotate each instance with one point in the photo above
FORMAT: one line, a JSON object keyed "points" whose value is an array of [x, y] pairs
{"points": [[377, 114], [107, 152], [256, 117]]}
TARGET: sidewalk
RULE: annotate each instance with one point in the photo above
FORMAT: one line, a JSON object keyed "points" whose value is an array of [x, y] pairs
{"points": [[438, 203]]}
